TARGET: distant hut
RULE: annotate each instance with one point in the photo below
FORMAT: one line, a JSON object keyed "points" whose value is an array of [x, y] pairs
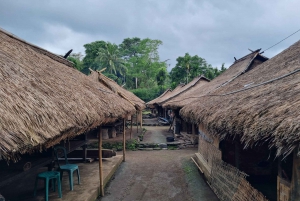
{"points": [[250, 127], [178, 99], [155, 108]]}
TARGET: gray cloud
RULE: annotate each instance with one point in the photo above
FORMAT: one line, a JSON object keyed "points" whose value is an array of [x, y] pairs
{"points": [[214, 30]]}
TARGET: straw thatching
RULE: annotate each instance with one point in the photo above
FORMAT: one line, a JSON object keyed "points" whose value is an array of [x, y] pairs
{"points": [[154, 101], [117, 89], [262, 105], [180, 99], [43, 100]]}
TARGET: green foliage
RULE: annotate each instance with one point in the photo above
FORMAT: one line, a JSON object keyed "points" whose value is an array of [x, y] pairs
{"points": [[131, 145], [76, 58], [147, 94], [91, 52], [110, 58], [188, 67]]}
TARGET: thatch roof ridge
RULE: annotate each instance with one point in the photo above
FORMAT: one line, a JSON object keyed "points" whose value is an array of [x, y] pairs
{"points": [[152, 102], [40, 50], [235, 70], [184, 88], [113, 86], [261, 106], [43, 101], [184, 97]]}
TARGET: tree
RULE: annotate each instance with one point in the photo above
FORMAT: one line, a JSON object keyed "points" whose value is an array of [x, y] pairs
{"points": [[188, 67], [76, 58], [91, 50], [142, 61]]}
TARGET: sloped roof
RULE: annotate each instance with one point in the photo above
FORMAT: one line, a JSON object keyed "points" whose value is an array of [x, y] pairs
{"points": [[43, 100], [154, 101], [182, 98], [262, 105], [115, 88]]}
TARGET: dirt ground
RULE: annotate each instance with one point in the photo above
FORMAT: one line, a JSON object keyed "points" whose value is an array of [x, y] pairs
{"points": [[166, 175]]}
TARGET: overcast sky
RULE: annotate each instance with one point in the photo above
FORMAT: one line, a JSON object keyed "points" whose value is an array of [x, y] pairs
{"points": [[215, 30]]}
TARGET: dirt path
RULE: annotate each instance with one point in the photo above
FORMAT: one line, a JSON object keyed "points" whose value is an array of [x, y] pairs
{"points": [[166, 175]]}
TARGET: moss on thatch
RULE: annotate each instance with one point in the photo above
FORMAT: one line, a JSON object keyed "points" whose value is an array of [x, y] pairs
{"points": [[43, 100], [261, 106]]}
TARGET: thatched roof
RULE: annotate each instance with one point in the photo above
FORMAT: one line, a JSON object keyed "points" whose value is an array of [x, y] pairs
{"points": [[43, 100], [154, 101], [238, 68], [117, 89], [181, 98], [262, 105]]}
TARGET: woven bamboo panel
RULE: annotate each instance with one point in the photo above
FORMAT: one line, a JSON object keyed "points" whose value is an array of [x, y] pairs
{"points": [[208, 151], [230, 184]]}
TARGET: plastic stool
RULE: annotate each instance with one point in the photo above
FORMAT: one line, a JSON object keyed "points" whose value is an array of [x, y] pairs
{"points": [[47, 176]]}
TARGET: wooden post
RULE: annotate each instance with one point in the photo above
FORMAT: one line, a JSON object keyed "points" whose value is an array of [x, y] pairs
{"points": [[137, 123], [131, 126], [295, 185], [193, 134], [237, 154], [100, 162], [141, 119], [124, 139]]}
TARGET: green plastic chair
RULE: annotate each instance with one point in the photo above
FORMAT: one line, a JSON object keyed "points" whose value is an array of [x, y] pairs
{"points": [[49, 176], [70, 168]]}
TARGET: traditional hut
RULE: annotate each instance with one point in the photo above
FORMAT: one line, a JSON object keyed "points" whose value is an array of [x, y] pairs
{"points": [[178, 99], [153, 103], [44, 100], [250, 126]]}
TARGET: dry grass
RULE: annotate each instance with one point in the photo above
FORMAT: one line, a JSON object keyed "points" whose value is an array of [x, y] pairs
{"points": [[268, 113], [43, 101]]}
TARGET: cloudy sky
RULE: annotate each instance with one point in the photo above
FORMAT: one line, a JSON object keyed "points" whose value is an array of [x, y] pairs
{"points": [[215, 30]]}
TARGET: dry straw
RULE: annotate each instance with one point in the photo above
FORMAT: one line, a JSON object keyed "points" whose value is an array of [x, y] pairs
{"points": [[267, 113], [43, 100]]}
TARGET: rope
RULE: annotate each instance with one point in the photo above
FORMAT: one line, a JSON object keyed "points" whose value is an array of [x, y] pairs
{"points": [[240, 90], [282, 40]]}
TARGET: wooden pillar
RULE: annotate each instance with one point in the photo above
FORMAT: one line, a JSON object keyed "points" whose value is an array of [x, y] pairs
{"points": [[84, 148], [141, 119], [193, 134], [100, 163], [237, 154], [295, 185], [137, 123], [124, 139], [131, 126]]}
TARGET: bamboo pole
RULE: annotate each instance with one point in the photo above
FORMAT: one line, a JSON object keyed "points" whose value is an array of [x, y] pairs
{"points": [[141, 118], [137, 123], [131, 126], [100, 163], [124, 139]]}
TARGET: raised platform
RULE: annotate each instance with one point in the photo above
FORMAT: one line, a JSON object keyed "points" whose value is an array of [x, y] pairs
{"points": [[88, 190]]}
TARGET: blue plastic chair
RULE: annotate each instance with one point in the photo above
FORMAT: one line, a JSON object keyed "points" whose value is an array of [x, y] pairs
{"points": [[70, 168], [49, 176]]}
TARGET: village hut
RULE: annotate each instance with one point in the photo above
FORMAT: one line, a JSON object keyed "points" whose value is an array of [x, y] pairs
{"points": [[175, 99], [155, 109], [250, 126], [45, 100]]}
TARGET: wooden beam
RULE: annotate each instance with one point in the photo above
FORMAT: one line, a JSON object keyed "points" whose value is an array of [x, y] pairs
{"points": [[100, 163], [124, 139]]}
